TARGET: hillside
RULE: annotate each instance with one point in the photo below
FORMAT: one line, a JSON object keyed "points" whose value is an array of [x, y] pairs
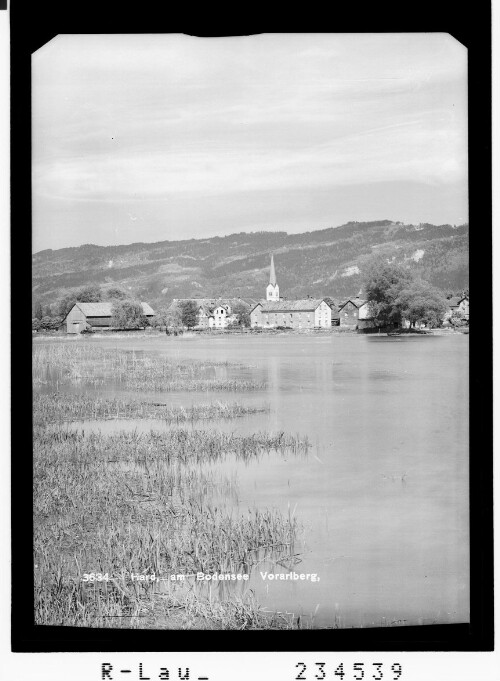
{"points": [[326, 262]]}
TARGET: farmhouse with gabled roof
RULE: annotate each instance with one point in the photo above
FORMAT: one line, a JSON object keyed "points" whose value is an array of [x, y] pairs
{"points": [[85, 315]]}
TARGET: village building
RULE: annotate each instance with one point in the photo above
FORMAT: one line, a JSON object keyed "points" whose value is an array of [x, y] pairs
{"points": [[220, 317], [308, 313], [215, 313], [458, 304], [95, 315], [352, 310], [365, 316]]}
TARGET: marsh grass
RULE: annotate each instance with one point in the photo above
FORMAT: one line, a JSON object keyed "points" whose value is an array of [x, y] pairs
{"points": [[92, 364], [114, 605], [136, 503], [140, 503], [177, 445], [67, 407]]}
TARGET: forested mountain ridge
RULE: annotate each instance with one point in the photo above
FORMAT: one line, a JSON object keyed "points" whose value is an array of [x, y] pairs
{"points": [[327, 262]]}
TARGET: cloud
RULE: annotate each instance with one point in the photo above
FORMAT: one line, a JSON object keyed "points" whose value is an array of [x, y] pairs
{"points": [[413, 150], [151, 117]]}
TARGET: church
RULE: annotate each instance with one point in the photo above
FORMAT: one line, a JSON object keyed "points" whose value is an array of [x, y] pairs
{"points": [[275, 312]]}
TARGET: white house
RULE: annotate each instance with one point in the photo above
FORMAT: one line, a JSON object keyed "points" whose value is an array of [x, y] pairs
{"points": [[220, 317], [458, 304]]}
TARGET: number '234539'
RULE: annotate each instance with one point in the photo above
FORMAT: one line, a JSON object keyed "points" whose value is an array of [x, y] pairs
{"points": [[360, 672]]}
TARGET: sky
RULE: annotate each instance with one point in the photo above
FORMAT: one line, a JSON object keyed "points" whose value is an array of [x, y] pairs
{"points": [[156, 137]]}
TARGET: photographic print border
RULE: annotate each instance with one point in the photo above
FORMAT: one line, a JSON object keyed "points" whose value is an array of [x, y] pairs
{"points": [[46, 22]]}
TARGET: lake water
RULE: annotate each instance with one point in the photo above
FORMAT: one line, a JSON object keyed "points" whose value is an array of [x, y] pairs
{"points": [[382, 495]]}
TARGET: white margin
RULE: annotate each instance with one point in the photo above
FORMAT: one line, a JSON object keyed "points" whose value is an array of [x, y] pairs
{"points": [[228, 666]]}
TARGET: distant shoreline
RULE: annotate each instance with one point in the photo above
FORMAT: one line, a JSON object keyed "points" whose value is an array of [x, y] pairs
{"points": [[207, 333]]}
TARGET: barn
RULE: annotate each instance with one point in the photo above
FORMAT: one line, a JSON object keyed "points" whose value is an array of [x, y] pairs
{"points": [[95, 315]]}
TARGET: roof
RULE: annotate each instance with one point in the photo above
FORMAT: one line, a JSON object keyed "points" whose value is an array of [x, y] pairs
{"points": [[105, 309], [358, 302], [456, 300], [307, 305], [208, 304]]}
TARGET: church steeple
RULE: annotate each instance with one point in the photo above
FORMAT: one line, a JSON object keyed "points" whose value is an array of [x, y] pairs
{"points": [[272, 274], [273, 291]]}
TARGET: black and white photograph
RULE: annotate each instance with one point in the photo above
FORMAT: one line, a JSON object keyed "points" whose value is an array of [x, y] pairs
{"points": [[250, 326]]}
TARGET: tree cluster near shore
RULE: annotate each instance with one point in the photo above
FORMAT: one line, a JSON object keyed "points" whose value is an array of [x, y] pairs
{"points": [[128, 314], [395, 295], [169, 319]]}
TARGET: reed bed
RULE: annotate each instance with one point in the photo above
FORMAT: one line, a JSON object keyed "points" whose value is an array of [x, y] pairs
{"points": [[91, 364], [115, 605], [138, 503], [176, 445], [158, 384], [67, 407]]}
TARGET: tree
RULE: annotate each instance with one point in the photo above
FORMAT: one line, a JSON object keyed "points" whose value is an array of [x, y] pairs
{"points": [[116, 293], [66, 303], [420, 302], [189, 313], [458, 318], [242, 314], [395, 295], [160, 319], [171, 319], [383, 284], [89, 294], [38, 310], [35, 324], [128, 314], [46, 323]]}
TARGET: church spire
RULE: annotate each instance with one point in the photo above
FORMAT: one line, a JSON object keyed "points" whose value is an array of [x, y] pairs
{"points": [[272, 291], [272, 274]]}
